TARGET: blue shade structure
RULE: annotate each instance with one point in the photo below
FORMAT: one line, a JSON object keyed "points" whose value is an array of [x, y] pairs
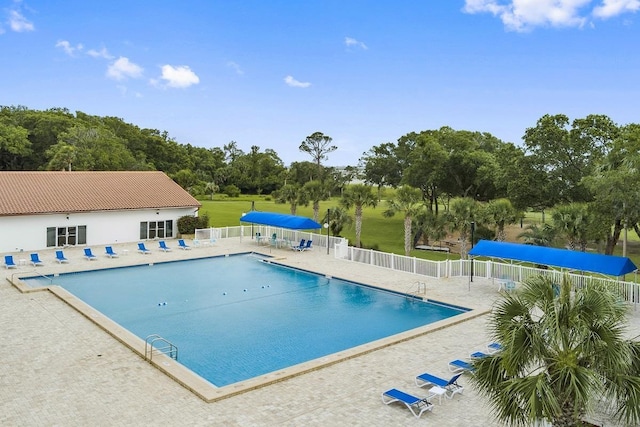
{"points": [[292, 222], [582, 261]]}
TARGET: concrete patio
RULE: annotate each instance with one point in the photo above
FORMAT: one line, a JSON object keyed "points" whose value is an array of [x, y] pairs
{"points": [[59, 368]]}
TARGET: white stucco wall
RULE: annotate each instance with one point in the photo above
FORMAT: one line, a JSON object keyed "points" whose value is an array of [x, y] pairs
{"points": [[29, 233]]}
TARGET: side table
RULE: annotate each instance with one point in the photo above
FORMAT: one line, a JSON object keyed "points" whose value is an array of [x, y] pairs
{"points": [[437, 391]]}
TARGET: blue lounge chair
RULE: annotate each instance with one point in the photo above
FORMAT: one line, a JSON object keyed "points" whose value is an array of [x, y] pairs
{"points": [[163, 246], [109, 252], [451, 386], [89, 255], [478, 355], [494, 347], [297, 247], [183, 245], [416, 405], [142, 249], [461, 366], [8, 262], [35, 260], [307, 246], [60, 257]]}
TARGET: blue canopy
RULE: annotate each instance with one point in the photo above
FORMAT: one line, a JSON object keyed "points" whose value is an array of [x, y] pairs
{"points": [[293, 222], [582, 261]]}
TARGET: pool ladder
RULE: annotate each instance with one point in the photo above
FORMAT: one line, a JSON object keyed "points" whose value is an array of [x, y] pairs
{"points": [[167, 347], [420, 288]]}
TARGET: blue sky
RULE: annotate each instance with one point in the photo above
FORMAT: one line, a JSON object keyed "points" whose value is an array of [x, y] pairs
{"points": [[269, 73]]}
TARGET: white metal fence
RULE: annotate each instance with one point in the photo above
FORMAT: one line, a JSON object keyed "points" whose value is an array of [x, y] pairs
{"points": [[422, 267], [251, 231], [484, 269]]}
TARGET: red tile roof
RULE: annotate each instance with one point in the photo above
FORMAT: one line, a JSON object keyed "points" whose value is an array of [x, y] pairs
{"points": [[23, 193]]}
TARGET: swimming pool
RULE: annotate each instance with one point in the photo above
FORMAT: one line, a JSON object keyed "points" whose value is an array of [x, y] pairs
{"points": [[237, 317]]}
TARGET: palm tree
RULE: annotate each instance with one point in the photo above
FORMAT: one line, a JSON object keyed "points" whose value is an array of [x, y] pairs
{"points": [[338, 218], [501, 212], [430, 226], [462, 212], [538, 236], [294, 196], [359, 196], [562, 350], [211, 188], [572, 221], [316, 192], [408, 201]]}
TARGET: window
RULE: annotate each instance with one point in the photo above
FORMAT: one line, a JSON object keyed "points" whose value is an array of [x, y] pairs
{"points": [[66, 236], [156, 229]]}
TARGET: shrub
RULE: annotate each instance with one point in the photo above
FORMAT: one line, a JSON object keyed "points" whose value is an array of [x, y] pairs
{"points": [[188, 224], [231, 190]]}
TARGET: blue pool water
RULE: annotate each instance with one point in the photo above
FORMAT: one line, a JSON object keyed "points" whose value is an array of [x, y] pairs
{"points": [[235, 318]]}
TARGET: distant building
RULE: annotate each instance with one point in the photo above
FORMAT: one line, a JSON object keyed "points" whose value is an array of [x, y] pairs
{"points": [[41, 210]]}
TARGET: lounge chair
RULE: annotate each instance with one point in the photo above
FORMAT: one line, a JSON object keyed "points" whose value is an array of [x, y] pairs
{"points": [[109, 252], [60, 257], [89, 255], [307, 246], [35, 260], [297, 247], [451, 386], [8, 262], [142, 249], [478, 355], [494, 347], [416, 405], [183, 245], [461, 366], [163, 246]]}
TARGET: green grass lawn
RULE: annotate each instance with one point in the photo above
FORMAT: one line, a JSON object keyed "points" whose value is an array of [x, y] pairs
{"points": [[384, 234]]}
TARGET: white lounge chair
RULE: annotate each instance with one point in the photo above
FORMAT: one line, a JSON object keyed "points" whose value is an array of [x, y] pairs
{"points": [[417, 405], [89, 255], [60, 257], [109, 252], [459, 365], [451, 386], [35, 260], [8, 262]]}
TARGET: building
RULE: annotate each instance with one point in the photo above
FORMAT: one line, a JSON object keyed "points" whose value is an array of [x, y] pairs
{"points": [[41, 210]]}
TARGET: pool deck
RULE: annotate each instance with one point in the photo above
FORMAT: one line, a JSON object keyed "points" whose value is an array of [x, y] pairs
{"points": [[60, 368]]}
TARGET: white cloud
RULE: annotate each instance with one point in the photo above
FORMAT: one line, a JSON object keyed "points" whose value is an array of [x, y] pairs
{"points": [[349, 42], [611, 8], [289, 80], [18, 23], [68, 49], [235, 67], [122, 68], [179, 77], [523, 15], [102, 53]]}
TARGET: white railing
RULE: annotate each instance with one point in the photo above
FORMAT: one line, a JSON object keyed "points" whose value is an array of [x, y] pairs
{"points": [[481, 269], [421, 267], [266, 231]]}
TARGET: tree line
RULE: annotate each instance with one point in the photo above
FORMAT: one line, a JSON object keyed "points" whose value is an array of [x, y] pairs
{"points": [[585, 171]]}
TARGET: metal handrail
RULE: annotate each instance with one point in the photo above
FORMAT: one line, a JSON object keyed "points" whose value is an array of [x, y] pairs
{"points": [[149, 346]]}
